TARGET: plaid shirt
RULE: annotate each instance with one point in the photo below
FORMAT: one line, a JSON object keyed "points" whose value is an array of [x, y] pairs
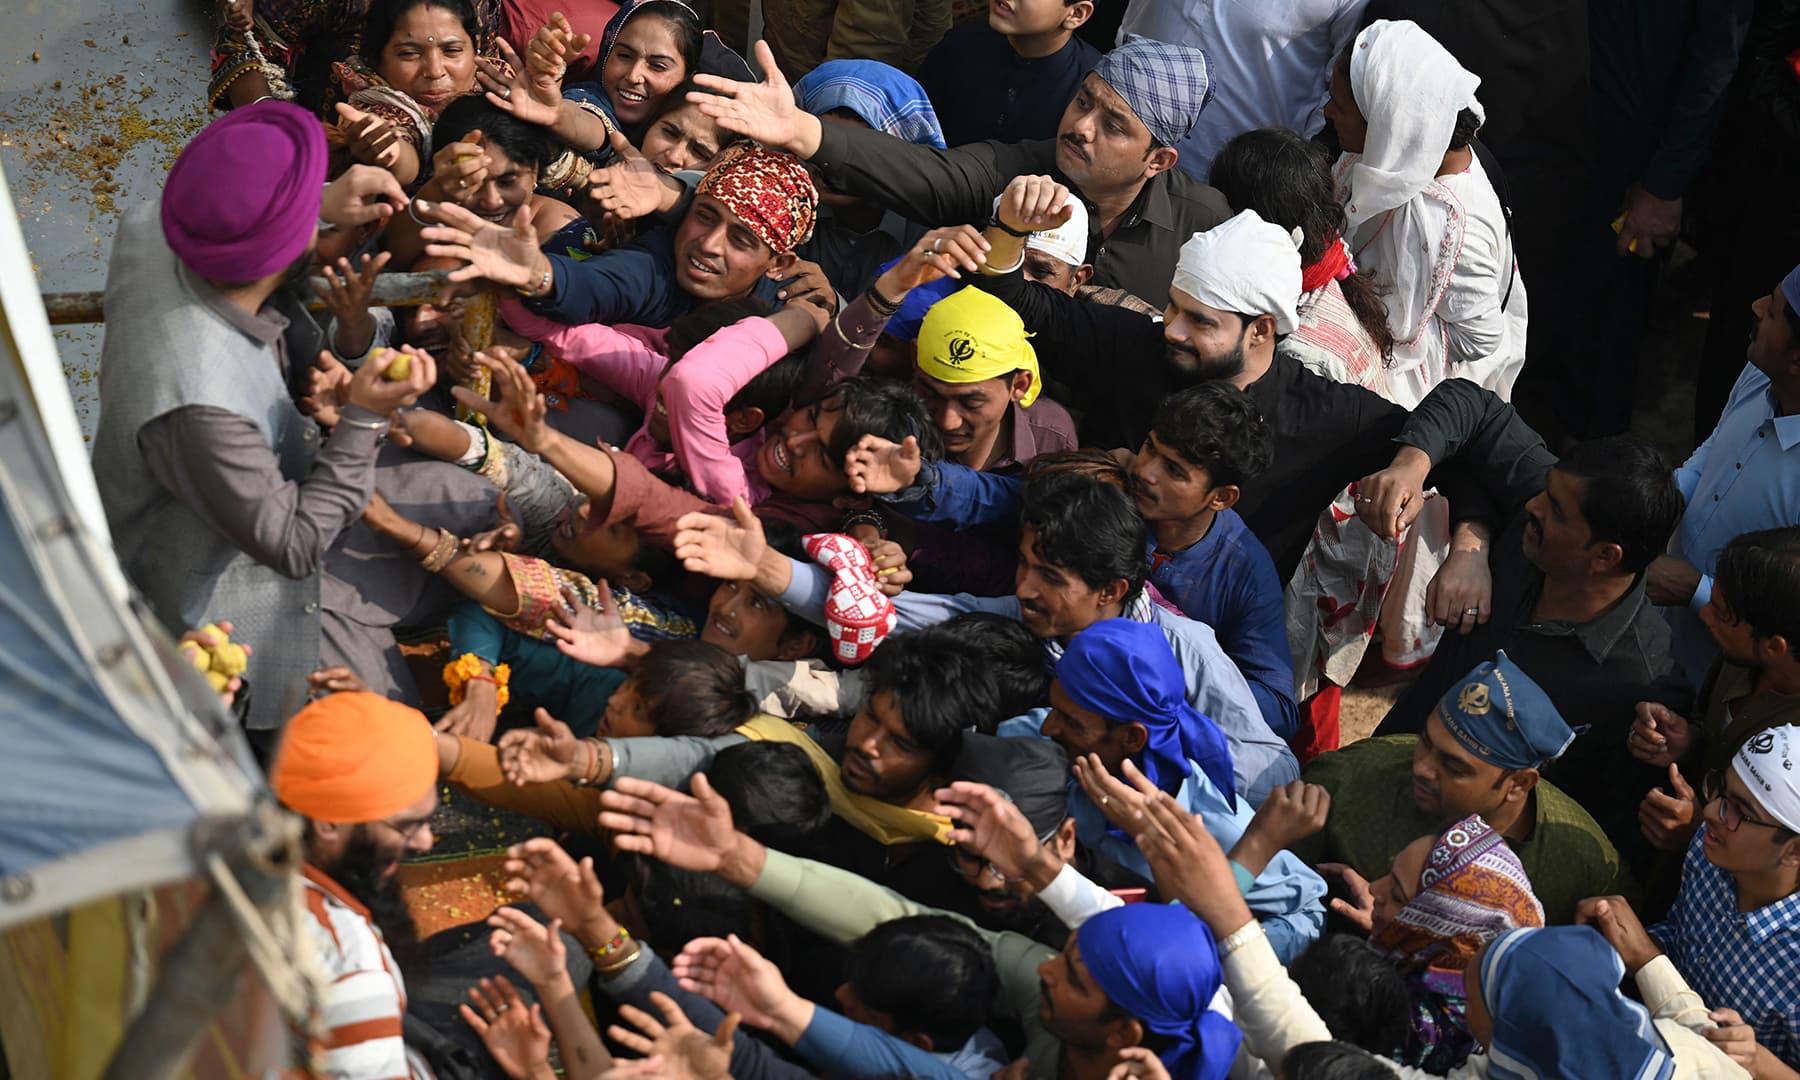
{"points": [[1748, 961]]}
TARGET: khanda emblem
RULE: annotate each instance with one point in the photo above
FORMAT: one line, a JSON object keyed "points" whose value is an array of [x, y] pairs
{"points": [[1474, 699], [1762, 744], [961, 351]]}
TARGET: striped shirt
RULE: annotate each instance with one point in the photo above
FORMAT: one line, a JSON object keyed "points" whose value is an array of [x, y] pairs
{"points": [[1748, 961], [366, 996]]}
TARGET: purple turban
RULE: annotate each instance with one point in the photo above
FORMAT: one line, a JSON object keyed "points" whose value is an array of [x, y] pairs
{"points": [[242, 201]]}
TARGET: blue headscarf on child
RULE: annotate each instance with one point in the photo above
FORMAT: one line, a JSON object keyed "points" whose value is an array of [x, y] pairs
{"points": [[886, 98]]}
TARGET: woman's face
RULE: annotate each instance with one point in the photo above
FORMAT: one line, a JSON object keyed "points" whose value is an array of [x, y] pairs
{"points": [[429, 57], [682, 138], [1342, 113], [1401, 884], [509, 186], [644, 65]]}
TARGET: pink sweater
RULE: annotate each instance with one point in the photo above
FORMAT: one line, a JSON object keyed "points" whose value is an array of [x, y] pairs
{"points": [[631, 360]]}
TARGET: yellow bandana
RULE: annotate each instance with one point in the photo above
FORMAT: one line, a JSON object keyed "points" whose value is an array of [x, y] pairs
{"points": [[884, 822], [972, 336]]}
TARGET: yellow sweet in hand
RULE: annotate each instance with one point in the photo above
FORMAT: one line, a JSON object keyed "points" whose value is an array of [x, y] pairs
{"points": [[195, 655], [229, 660], [399, 364], [217, 681], [216, 632]]}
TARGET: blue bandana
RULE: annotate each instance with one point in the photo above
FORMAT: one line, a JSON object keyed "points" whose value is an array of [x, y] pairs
{"points": [[1554, 996], [1159, 963], [1498, 714], [1126, 671], [886, 98], [1166, 85], [1790, 289]]}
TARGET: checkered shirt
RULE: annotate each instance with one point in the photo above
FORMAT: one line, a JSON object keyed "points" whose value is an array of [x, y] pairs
{"points": [[1747, 961]]}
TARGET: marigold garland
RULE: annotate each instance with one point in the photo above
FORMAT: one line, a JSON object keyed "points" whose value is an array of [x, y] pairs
{"points": [[468, 666]]}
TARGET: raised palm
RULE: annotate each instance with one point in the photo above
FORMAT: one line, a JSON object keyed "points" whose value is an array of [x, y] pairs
{"points": [[532, 92], [765, 112], [729, 550], [593, 635], [538, 755], [689, 832], [539, 870], [876, 466]]}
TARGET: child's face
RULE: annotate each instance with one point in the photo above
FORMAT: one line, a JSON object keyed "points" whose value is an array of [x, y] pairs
{"points": [[627, 714], [745, 621], [793, 458], [608, 551]]}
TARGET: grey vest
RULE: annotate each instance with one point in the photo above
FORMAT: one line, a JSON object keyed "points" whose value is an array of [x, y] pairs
{"points": [[165, 349]]}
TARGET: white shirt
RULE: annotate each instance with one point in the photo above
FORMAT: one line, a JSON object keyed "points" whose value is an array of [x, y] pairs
{"points": [[1271, 62]]}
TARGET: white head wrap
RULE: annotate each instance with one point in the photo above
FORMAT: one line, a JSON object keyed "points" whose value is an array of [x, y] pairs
{"points": [[1068, 242], [1246, 266], [1409, 89], [1767, 764]]}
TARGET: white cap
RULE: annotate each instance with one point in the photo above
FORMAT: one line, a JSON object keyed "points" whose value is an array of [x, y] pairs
{"points": [[1766, 764], [1244, 265]]}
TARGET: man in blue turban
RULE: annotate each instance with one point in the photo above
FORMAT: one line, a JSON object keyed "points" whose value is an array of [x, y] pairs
{"points": [[1133, 973], [1119, 694]]}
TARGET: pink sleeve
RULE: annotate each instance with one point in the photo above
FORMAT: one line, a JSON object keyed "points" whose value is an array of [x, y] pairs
{"points": [[625, 361], [695, 393]]}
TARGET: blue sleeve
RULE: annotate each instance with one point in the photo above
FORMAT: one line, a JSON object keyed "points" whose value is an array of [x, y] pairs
{"points": [[473, 630], [810, 583], [1255, 637], [633, 284], [959, 496], [1287, 898], [839, 1046]]}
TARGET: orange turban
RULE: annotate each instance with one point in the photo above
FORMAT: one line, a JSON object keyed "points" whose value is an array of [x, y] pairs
{"points": [[353, 758]]}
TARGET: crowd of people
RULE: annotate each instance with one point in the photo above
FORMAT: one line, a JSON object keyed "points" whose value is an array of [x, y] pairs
{"points": [[903, 501]]}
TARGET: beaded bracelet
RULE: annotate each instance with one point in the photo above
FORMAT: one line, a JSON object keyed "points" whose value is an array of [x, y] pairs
{"points": [[619, 941]]}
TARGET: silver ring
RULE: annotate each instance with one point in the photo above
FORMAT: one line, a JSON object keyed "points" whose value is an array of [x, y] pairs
{"points": [[506, 95], [1364, 499], [503, 1007], [1104, 799], [937, 245], [1471, 611]]}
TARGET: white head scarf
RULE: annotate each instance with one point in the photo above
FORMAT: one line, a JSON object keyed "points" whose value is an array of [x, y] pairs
{"points": [[1068, 242], [1766, 764], [1409, 89], [1246, 266]]}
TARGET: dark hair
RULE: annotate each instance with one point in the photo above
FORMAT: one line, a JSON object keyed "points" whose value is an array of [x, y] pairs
{"points": [[1631, 497], [1097, 464], [693, 688], [689, 34], [527, 144], [708, 319], [1759, 573], [681, 905], [934, 683], [1356, 990], [880, 407], [384, 15], [1216, 427], [1014, 676], [1090, 527], [1468, 122], [775, 793], [1332, 1061], [1286, 178], [772, 389], [932, 974]]}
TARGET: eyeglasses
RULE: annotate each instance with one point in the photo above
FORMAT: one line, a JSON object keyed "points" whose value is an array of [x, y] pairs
{"points": [[1731, 808], [407, 829]]}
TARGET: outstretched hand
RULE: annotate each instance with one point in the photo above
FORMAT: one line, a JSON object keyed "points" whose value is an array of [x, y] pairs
{"points": [[679, 1050], [593, 635], [729, 549], [765, 112], [689, 832], [539, 755], [876, 466]]}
